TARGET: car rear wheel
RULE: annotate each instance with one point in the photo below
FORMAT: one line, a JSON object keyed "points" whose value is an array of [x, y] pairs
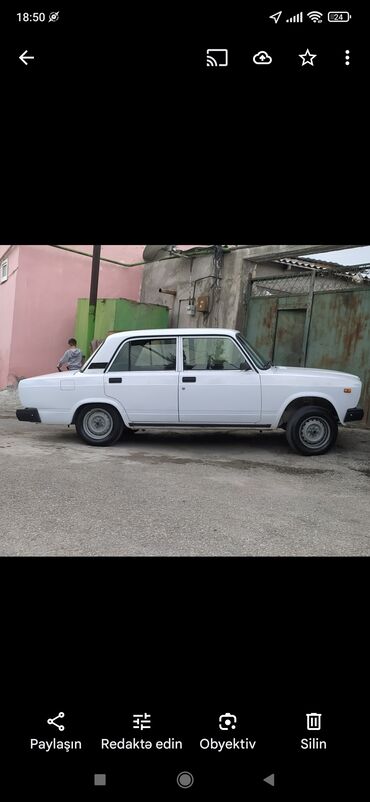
{"points": [[99, 425], [311, 430]]}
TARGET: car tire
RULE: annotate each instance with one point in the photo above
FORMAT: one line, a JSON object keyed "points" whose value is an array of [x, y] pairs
{"points": [[311, 431], [99, 425]]}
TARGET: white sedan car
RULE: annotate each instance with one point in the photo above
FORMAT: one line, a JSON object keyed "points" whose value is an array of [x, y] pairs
{"points": [[191, 377]]}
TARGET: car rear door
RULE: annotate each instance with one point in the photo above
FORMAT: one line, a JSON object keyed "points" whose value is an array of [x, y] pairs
{"points": [[143, 377]]}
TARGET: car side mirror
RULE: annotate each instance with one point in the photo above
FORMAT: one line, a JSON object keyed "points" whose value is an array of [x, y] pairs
{"points": [[244, 366]]}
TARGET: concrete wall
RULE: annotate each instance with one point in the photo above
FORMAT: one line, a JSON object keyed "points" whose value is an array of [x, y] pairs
{"points": [[7, 302], [49, 282], [227, 307]]}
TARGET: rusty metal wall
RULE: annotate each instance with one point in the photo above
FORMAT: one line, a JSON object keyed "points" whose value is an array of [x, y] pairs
{"points": [[339, 337], [336, 335]]}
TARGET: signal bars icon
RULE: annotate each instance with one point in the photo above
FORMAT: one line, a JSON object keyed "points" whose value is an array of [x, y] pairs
{"points": [[296, 18]]}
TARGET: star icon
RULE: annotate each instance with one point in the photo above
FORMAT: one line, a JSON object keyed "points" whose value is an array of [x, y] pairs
{"points": [[307, 58]]}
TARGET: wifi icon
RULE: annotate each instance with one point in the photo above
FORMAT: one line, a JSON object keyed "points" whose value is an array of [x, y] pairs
{"points": [[315, 16]]}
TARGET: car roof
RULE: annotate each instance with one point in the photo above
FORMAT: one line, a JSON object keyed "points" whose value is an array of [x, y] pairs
{"points": [[159, 332]]}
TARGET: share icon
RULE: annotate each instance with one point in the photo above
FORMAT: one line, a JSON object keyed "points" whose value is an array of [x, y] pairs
{"points": [[53, 720]]}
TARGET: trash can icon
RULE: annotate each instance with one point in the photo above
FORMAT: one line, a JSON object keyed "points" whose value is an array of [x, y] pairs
{"points": [[313, 721]]}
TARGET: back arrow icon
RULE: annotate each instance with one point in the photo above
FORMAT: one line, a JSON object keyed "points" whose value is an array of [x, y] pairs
{"points": [[25, 58]]}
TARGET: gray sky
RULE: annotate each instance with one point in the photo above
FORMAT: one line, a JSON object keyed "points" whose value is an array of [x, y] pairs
{"points": [[351, 256]]}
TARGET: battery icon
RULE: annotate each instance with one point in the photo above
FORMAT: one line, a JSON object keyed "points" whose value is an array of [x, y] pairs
{"points": [[339, 16]]}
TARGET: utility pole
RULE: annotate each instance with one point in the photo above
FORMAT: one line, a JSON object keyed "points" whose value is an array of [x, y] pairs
{"points": [[93, 292]]}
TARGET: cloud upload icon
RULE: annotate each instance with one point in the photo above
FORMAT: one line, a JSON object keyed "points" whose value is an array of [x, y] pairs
{"points": [[262, 57]]}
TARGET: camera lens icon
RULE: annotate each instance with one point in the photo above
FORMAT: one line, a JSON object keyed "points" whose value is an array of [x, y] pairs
{"points": [[227, 721]]}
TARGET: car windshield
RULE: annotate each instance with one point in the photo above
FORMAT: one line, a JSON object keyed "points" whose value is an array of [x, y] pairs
{"points": [[258, 359]]}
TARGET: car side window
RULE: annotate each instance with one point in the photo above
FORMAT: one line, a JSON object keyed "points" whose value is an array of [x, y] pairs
{"points": [[152, 354], [211, 353]]}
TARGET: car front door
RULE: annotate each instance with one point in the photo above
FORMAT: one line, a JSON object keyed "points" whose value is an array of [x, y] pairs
{"points": [[143, 378], [213, 388]]}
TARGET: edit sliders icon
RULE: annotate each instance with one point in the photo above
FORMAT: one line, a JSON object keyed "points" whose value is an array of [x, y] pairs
{"points": [[217, 57]]}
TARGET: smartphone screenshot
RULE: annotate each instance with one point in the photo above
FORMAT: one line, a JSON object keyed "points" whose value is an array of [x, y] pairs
{"points": [[184, 428]]}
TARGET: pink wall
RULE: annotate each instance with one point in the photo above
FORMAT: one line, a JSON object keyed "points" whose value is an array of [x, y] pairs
{"points": [[123, 253], [7, 296], [49, 283]]}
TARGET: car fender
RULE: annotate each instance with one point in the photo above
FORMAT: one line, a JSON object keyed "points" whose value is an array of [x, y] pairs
{"points": [[296, 396], [112, 402]]}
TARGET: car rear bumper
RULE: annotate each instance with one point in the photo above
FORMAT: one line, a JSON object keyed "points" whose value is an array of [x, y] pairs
{"points": [[30, 414], [356, 413]]}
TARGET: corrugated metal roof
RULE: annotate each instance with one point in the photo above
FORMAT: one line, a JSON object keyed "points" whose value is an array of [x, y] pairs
{"points": [[353, 273]]}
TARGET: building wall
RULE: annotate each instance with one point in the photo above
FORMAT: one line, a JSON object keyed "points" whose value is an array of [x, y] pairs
{"points": [[49, 283], [7, 299], [225, 301], [123, 253]]}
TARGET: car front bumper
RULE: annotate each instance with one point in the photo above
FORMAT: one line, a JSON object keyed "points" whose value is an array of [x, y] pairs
{"points": [[356, 413], [30, 414]]}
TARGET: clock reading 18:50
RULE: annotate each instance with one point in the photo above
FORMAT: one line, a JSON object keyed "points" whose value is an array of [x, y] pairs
{"points": [[31, 16]]}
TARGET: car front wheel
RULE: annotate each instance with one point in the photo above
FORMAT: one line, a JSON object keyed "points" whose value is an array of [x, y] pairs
{"points": [[99, 425], [311, 430]]}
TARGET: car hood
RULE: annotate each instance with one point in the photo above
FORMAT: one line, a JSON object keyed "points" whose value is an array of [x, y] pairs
{"points": [[319, 373]]}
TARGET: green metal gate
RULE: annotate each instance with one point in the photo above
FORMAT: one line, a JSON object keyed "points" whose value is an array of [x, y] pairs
{"points": [[313, 321]]}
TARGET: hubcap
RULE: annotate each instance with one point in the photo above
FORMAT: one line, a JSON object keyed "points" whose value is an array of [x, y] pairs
{"points": [[314, 432], [97, 424]]}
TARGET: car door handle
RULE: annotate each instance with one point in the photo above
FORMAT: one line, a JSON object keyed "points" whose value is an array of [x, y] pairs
{"points": [[189, 378], [115, 380]]}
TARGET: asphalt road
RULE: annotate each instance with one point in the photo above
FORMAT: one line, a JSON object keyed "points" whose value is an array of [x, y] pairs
{"points": [[180, 493]]}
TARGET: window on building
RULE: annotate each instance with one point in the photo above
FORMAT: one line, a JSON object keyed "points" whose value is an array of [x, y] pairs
{"points": [[211, 353], [150, 354], [4, 267]]}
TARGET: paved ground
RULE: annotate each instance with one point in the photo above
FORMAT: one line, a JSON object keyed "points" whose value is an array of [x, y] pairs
{"points": [[195, 493]]}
